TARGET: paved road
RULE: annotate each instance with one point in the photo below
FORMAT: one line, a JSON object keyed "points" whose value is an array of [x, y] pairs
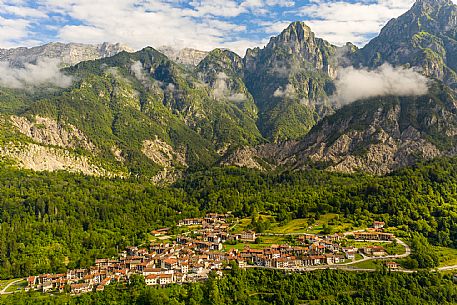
{"points": [[447, 268], [4, 291]]}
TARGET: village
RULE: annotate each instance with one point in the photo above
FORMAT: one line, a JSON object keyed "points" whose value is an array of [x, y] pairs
{"points": [[204, 247]]}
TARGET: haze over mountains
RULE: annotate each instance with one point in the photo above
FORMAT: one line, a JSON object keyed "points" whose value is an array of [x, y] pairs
{"points": [[299, 102]]}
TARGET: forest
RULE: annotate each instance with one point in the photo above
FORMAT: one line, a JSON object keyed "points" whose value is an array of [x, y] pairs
{"points": [[254, 286], [54, 221]]}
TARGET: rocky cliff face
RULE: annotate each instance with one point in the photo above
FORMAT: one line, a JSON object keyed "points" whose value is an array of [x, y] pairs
{"points": [[67, 54], [50, 132], [186, 56], [375, 136], [43, 144], [290, 80]]}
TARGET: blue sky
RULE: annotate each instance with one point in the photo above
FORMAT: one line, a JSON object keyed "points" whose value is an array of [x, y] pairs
{"points": [[200, 24]]}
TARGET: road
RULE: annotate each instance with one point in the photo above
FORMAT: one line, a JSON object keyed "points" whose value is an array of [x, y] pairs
{"points": [[4, 291]]}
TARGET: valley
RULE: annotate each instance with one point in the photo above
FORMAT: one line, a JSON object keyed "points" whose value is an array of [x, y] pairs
{"points": [[289, 169]]}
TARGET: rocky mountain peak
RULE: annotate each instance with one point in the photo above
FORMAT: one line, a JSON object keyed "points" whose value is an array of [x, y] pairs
{"points": [[296, 31], [67, 54], [222, 60]]}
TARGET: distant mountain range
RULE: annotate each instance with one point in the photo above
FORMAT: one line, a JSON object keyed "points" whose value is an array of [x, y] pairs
{"points": [[159, 113], [67, 54]]}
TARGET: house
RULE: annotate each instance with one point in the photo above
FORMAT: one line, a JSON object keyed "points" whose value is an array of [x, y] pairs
{"points": [[32, 281], [350, 254], [190, 222], [378, 224], [47, 286], [80, 288], [373, 236], [392, 265], [160, 232], [169, 263], [374, 251], [151, 279], [248, 236], [165, 279], [184, 268], [241, 263], [281, 263]]}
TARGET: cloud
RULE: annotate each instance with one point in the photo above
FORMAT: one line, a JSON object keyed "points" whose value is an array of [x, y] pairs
{"points": [[357, 84], [287, 92], [282, 3], [221, 90], [198, 24], [137, 70], [238, 98], [45, 72], [349, 21]]}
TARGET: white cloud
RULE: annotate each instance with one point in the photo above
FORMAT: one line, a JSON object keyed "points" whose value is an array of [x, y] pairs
{"points": [[282, 3], [45, 73], [199, 24], [287, 92], [356, 84], [274, 27], [155, 23], [344, 21]]}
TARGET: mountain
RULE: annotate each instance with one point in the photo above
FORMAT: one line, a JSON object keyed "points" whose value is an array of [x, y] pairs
{"points": [[424, 38], [382, 134], [152, 115], [377, 136], [290, 80], [186, 56], [222, 71], [133, 114], [67, 54]]}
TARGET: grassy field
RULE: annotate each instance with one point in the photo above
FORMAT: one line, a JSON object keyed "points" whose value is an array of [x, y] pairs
{"points": [[371, 264], [333, 221], [265, 242], [448, 256], [294, 226], [242, 225], [17, 286], [3, 283]]}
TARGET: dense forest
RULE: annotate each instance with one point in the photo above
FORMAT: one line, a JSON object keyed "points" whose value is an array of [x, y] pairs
{"points": [[271, 287], [54, 221]]}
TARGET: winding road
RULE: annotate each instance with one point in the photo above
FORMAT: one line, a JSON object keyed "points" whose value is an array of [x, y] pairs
{"points": [[4, 290]]}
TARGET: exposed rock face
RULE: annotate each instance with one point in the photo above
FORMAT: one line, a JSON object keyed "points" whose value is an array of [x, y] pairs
{"points": [[41, 158], [375, 136], [290, 80], [164, 155], [67, 54], [50, 132], [186, 56]]}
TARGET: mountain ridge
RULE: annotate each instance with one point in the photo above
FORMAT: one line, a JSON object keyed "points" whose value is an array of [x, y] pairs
{"points": [[147, 114], [66, 54]]}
